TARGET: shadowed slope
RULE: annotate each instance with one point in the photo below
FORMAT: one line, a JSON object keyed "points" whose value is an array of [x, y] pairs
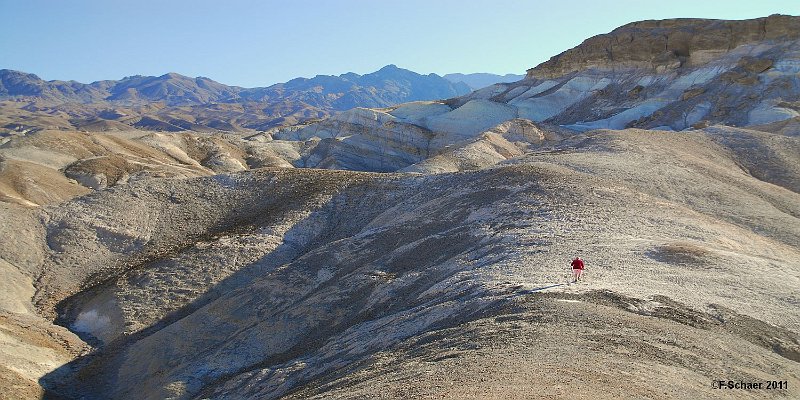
{"points": [[380, 259]]}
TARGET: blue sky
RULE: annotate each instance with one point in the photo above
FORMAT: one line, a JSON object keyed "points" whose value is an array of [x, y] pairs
{"points": [[257, 43]]}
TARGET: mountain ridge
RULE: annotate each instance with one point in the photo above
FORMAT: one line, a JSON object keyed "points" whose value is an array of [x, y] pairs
{"points": [[15, 83], [173, 102]]}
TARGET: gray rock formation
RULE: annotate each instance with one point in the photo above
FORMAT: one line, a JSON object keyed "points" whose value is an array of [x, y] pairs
{"points": [[665, 45], [671, 74], [261, 283]]}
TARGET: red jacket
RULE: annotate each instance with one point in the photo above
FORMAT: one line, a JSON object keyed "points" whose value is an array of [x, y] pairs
{"points": [[577, 263]]}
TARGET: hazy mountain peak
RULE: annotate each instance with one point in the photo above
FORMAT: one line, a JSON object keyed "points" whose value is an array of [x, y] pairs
{"points": [[350, 76], [11, 72], [390, 68], [173, 75]]}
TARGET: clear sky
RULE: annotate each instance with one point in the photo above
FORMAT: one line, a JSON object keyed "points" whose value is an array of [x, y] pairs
{"points": [[257, 43]]}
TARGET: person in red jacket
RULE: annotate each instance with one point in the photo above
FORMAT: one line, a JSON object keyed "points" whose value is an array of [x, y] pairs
{"points": [[577, 269]]}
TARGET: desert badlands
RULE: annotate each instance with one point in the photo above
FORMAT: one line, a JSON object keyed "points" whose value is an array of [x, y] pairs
{"points": [[420, 249]]}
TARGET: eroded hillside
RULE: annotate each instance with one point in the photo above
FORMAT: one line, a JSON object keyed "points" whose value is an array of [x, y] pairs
{"points": [[266, 282]]}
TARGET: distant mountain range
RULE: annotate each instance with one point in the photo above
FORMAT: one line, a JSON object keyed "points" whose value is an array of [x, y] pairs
{"points": [[387, 86], [134, 100], [481, 80]]}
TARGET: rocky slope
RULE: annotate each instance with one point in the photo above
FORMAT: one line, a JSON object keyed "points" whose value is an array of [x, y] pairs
{"points": [[273, 282], [665, 45], [173, 102], [672, 74]]}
